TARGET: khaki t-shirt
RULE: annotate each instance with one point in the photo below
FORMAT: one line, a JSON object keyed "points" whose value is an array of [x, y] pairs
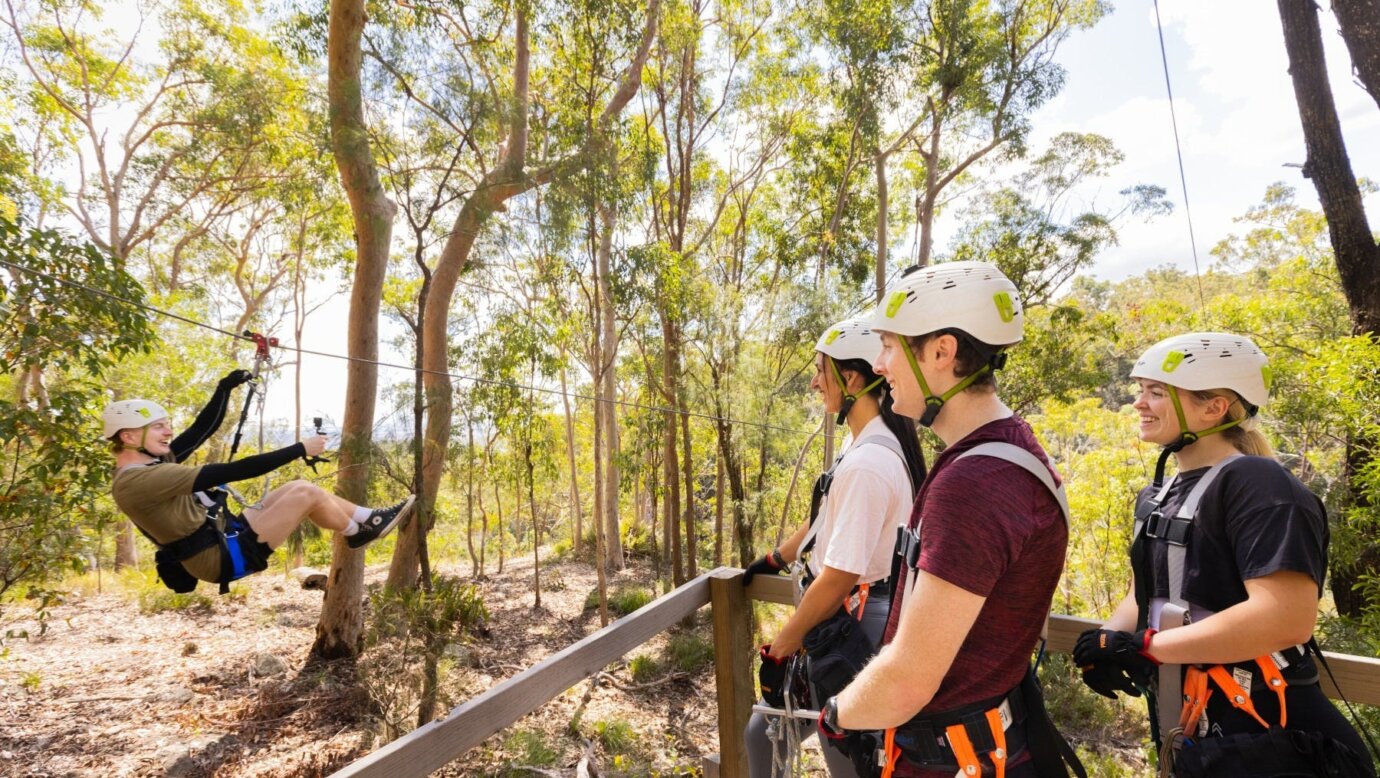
{"points": [[158, 498]]}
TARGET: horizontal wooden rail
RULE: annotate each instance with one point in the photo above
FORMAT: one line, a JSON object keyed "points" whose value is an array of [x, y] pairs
{"points": [[430, 747], [1359, 676]]}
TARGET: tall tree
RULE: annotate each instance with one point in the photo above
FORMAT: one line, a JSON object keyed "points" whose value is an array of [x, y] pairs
{"points": [[341, 624], [1353, 244]]}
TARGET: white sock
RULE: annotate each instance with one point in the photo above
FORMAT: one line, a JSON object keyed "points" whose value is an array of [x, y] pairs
{"points": [[362, 514], [350, 528]]}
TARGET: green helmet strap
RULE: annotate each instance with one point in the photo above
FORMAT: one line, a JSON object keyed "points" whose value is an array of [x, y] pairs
{"points": [[934, 402], [848, 398], [1187, 437]]}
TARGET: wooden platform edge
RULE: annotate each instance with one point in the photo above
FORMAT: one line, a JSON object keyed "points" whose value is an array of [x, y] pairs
{"points": [[430, 747]]}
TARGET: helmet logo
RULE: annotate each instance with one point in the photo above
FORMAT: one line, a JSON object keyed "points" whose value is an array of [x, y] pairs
{"points": [[893, 304], [1172, 360], [832, 336], [1005, 307], [143, 412]]}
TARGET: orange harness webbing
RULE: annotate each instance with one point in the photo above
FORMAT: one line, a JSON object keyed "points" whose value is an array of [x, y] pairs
{"points": [[1238, 696]]}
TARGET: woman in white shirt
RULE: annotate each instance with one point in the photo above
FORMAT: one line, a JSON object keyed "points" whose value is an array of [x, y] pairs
{"points": [[868, 494]]}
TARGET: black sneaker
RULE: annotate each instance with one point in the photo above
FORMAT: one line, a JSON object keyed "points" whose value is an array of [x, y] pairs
{"points": [[380, 523]]}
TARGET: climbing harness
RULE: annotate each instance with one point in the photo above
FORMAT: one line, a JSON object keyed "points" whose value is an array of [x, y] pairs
{"points": [[834, 650], [1180, 698], [1000, 728], [241, 552]]}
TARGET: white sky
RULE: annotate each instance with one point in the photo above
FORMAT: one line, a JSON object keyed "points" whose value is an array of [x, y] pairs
{"points": [[1238, 123]]}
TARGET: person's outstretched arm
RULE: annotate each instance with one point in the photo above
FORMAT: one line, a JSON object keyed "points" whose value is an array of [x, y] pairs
{"points": [[209, 419], [244, 469]]}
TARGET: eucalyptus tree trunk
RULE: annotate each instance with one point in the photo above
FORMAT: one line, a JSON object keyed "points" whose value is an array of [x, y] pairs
{"points": [[1353, 246], [577, 542], [608, 392], [882, 195], [507, 179], [1360, 27], [341, 624]]}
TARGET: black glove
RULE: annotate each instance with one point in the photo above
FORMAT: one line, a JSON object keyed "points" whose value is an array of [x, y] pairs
{"points": [[771, 564], [772, 677], [1108, 678], [236, 377], [1124, 649]]}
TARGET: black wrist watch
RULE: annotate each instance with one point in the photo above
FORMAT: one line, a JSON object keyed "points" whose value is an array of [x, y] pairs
{"points": [[829, 719], [777, 559]]}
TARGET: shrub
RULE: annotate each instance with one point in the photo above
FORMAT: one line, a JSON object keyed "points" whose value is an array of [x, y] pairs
{"points": [[530, 747], [644, 668], [689, 651], [621, 601], [616, 736]]}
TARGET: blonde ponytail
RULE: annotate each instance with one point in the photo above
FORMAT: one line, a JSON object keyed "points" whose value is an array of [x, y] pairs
{"points": [[1245, 437]]}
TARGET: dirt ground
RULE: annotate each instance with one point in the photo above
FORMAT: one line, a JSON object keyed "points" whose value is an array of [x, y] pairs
{"points": [[224, 691]]}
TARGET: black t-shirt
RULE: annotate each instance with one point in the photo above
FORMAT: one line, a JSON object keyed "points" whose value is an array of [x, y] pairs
{"points": [[1255, 519]]}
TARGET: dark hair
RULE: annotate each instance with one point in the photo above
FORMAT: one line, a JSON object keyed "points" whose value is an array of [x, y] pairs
{"points": [[903, 428], [971, 357]]}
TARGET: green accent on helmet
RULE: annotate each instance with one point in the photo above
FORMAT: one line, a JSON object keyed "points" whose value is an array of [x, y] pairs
{"points": [[893, 303], [143, 412], [1268, 376], [1172, 360], [832, 336], [1005, 307]]}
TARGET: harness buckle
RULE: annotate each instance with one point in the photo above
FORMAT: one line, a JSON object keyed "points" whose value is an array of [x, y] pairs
{"points": [[1171, 529], [910, 547]]}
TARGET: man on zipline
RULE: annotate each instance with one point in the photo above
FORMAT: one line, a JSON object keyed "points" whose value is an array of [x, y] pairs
{"points": [[176, 506]]}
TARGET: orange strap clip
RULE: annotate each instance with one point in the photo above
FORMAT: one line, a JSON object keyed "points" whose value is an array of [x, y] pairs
{"points": [[998, 755], [1196, 694], [1238, 697], [962, 747], [1270, 672], [862, 600], [893, 754]]}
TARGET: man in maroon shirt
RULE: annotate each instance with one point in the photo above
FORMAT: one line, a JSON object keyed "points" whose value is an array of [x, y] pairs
{"points": [[949, 685]]}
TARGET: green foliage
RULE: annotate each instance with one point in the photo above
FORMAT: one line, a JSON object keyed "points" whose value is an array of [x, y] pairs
{"points": [[689, 651], [622, 601], [157, 598], [530, 747], [56, 344], [405, 638], [615, 735], [644, 668]]}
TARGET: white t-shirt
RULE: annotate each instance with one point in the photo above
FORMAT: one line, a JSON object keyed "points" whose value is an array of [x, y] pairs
{"points": [[869, 498]]}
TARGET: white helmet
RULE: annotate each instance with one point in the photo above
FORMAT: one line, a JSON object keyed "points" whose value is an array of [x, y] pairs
{"points": [[850, 339], [974, 297], [130, 414], [1200, 361]]}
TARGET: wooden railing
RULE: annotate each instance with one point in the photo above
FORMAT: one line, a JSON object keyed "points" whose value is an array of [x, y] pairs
{"points": [[430, 747]]}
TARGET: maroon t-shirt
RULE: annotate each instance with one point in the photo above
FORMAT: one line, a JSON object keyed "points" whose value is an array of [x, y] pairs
{"points": [[992, 528]]}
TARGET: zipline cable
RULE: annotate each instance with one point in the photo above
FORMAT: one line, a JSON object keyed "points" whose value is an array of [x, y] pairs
{"points": [[411, 368], [1178, 149]]}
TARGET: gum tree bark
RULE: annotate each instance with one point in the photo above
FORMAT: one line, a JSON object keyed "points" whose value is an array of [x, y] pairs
{"points": [[1360, 28], [1353, 245], [341, 625]]}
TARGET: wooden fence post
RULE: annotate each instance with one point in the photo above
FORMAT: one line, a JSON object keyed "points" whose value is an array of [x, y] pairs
{"points": [[732, 667]]}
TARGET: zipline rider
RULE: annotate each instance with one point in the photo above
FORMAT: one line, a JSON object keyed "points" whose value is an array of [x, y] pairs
{"points": [[951, 691], [181, 508], [856, 509], [1237, 544]]}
